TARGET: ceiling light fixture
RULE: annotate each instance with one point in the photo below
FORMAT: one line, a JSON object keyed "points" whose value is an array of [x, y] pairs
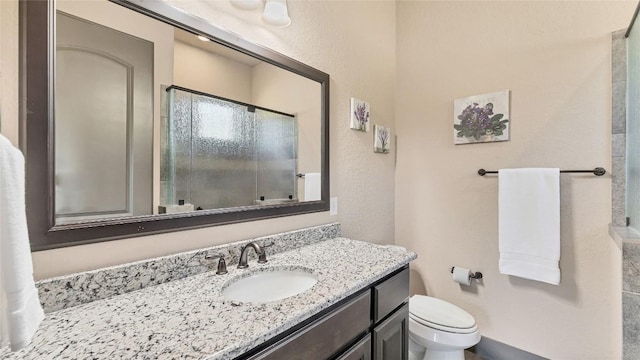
{"points": [[202, 38], [275, 11]]}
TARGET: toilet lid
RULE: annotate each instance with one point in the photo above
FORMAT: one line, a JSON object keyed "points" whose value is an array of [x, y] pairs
{"points": [[431, 311]]}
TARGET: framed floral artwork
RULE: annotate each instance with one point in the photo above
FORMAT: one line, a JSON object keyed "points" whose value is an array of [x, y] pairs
{"points": [[481, 118], [360, 111], [382, 139]]}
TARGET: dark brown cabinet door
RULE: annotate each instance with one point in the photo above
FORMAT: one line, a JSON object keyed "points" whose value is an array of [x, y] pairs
{"points": [[391, 337], [359, 351]]}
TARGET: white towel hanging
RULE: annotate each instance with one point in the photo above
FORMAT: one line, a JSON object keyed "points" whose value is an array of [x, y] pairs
{"points": [[529, 223], [20, 309], [312, 186]]}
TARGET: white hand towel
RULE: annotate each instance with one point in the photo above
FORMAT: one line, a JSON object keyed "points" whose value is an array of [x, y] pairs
{"points": [[312, 186], [529, 223], [20, 309]]}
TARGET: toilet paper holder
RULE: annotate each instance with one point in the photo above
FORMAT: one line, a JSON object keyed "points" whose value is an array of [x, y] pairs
{"points": [[473, 275]]}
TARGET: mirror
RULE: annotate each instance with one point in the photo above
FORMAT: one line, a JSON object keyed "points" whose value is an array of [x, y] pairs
{"points": [[153, 126]]}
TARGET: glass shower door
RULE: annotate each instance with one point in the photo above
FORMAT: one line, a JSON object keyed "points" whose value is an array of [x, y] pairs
{"points": [[276, 145], [223, 171]]}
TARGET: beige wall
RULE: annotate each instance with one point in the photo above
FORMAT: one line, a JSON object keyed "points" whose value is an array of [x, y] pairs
{"points": [[555, 58], [9, 70], [361, 61], [201, 70]]}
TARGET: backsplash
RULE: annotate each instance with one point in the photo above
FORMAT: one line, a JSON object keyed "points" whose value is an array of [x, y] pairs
{"points": [[75, 289]]}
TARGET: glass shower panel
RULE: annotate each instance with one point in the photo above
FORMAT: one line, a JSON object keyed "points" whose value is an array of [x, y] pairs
{"points": [[223, 172], [276, 144], [217, 153], [176, 155], [633, 127]]}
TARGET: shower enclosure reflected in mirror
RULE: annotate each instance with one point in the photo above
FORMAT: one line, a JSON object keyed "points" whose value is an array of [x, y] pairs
{"points": [[159, 126], [219, 153]]}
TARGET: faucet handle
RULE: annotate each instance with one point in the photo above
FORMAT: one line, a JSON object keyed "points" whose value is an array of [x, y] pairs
{"points": [[262, 258], [222, 264]]}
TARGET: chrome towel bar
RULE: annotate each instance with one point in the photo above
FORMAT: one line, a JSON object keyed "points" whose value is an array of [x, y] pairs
{"points": [[597, 171]]}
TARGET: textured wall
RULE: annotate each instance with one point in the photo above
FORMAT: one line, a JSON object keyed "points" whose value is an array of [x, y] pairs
{"points": [[9, 70], [555, 58], [354, 42]]}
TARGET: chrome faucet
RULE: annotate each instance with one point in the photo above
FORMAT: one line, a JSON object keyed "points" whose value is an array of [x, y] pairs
{"points": [[262, 258]]}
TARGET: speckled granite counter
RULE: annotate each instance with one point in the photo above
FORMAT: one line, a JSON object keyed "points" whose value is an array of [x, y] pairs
{"points": [[189, 319], [75, 289]]}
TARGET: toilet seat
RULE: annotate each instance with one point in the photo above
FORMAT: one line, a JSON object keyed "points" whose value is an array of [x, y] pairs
{"points": [[441, 315]]}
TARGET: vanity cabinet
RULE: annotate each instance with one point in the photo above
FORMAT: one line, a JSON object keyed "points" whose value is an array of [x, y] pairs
{"points": [[391, 318], [373, 324]]}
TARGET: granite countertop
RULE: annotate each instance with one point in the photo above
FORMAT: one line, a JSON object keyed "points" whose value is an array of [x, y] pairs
{"points": [[189, 318]]}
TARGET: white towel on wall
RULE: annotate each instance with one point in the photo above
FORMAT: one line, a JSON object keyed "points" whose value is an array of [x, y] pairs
{"points": [[312, 186], [20, 309], [529, 223]]}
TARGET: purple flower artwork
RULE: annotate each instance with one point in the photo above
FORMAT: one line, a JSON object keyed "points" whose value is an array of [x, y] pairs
{"points": [[382, 139], [360, 115], [481, 118]]}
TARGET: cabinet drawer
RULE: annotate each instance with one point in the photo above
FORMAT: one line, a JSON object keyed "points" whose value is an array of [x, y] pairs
{"points": [[390, 294], [324, 337]]}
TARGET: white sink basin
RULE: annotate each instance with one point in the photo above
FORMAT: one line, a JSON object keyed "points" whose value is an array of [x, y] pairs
{"points": [[264, 286]]}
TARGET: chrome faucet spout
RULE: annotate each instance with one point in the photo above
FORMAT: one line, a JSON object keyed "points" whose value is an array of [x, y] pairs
{"points": [[242, 264]]}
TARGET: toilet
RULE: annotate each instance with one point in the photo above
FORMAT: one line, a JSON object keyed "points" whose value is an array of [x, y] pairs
{"points": [[439, 330]]}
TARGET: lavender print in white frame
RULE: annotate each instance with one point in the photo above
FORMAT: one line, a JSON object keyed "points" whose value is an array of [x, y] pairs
{"points": [[382, 139], [481, 118], [360, 111]]}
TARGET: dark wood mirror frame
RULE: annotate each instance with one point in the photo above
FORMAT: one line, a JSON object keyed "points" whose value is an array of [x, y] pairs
{"points": [[37, 40]]}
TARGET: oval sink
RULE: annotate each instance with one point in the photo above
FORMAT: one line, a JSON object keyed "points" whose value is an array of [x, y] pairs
{"points": [[267, 286]]}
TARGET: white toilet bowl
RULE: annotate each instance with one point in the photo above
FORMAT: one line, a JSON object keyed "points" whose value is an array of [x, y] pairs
{"points": [[439, 330]]}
